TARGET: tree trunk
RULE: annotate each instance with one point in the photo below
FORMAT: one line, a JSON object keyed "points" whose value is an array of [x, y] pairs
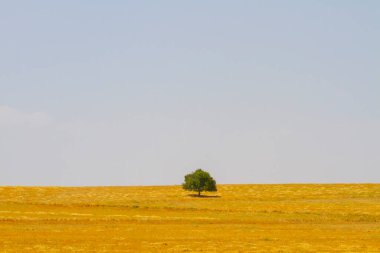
{"points": [[199, 193]]}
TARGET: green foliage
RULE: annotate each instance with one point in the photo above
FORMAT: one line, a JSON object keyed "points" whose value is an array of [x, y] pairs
{"points": [[199, 181]]}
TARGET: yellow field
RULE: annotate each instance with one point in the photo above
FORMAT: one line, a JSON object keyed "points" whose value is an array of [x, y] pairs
{"points": [[241, 218]]}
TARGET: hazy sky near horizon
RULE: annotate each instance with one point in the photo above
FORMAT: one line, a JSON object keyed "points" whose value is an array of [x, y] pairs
{"points": [[142, 92]]}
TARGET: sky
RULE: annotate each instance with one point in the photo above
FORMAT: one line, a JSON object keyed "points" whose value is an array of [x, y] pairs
{"points": [[144, 92]]}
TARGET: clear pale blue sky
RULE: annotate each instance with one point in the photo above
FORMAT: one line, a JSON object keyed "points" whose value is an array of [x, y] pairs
{"points": [[142, 92]]}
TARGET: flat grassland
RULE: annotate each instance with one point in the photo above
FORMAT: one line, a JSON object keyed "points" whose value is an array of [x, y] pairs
{"points": [[238, 218]]}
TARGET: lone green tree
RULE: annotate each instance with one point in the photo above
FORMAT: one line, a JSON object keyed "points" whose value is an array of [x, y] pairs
{"points": [[199, 181]]}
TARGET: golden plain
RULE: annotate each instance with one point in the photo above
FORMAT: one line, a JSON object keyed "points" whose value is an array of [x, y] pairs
{"points": [[238, 218]]}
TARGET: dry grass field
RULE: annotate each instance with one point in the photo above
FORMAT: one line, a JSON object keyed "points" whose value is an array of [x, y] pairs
{"points": [[239, 218]]}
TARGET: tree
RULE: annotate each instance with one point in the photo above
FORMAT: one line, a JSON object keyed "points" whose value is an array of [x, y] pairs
{"points": [[199, 181]]}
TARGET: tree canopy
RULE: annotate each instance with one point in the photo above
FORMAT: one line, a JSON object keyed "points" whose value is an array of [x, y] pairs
{"points": [[199, 181]]}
